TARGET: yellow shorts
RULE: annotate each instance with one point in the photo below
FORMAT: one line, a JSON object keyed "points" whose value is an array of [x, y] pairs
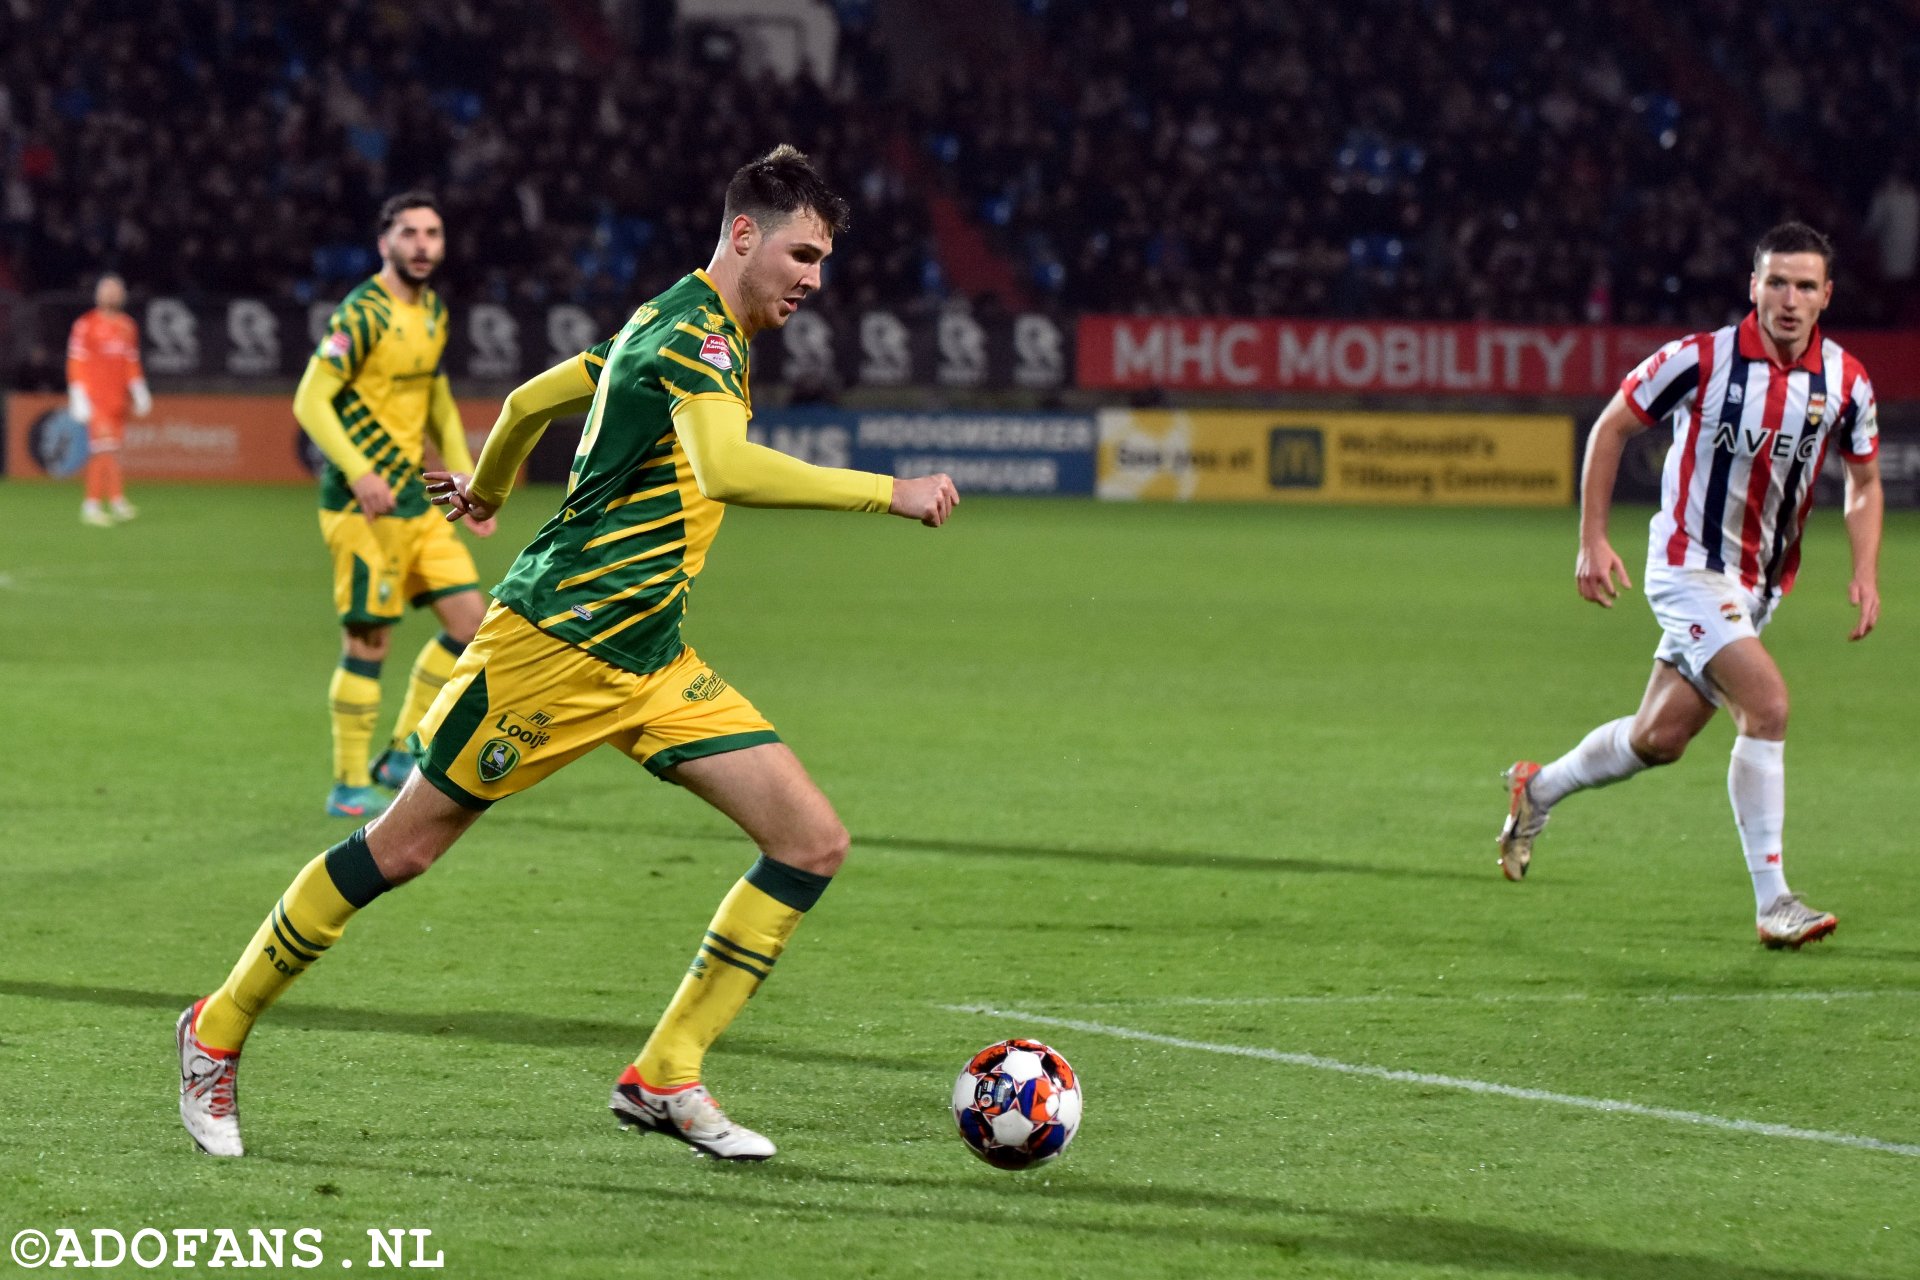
{"points": [[380, 568], [521, 704]]}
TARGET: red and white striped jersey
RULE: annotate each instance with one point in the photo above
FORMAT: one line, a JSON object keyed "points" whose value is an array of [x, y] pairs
{"points": [[1749, 437]]}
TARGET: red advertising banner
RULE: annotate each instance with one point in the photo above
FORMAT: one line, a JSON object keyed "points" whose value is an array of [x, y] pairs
{"points": [[1379, 357], [220, 438]]}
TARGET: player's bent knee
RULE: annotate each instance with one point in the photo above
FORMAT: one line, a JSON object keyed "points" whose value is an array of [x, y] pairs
{"points": [[1659, 745], [821, 851], [415, 831], [368, 642], [1767, 720]]}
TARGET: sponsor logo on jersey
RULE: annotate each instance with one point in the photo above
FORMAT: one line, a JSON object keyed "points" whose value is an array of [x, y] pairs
{"points": [[338, 343], [530, 730], [714, 351], [583, 613], [498, 758], [705, 688]]}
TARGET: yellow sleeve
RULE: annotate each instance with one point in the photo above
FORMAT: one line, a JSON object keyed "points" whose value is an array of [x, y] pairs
{"points": [[444, 425], [565, 388], [730, 468], [313, 407]]}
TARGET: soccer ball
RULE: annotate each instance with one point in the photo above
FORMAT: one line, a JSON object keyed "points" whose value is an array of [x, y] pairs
{"points": [[1017, 1104]]}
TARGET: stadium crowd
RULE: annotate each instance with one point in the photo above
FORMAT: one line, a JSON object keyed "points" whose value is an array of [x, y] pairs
{"points": [[1431, 159], [210, 147]]}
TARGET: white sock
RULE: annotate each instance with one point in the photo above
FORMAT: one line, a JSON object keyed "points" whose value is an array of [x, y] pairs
{"points": [[1603, 756], [1757, 785]]}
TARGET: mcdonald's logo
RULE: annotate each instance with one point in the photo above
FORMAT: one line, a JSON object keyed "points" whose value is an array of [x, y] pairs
{"points": [[1296, 458]]}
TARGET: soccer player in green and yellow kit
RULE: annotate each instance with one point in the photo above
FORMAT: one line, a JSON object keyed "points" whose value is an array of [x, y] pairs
{"points": [[373, 394], [583, 649]]}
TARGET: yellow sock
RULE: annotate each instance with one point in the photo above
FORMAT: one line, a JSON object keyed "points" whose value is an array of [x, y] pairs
{"points": [[432, 669], [754, 923], [307, 920], [354, 697]]}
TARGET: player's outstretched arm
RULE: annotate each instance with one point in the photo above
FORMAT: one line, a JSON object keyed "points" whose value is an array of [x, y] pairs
{"points": [[524, 415], [313, 408], [449, 436], [1866, 513], [1597, 566], [928, 499], [730, 468]]}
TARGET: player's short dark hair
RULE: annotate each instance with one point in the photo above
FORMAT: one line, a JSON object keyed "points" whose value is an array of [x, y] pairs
{"points": [[780, 184], [397, 205], [1794, 237]]}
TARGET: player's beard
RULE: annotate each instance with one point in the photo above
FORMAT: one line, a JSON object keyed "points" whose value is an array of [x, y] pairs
{"points": [[404, 269], [760, 293]]}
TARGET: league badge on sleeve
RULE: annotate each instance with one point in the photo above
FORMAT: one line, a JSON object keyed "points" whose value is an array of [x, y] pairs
{"points": [[714, 351], [338, 343]]}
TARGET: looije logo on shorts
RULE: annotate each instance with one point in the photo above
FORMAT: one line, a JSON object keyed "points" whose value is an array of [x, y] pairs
{"points": [[498, 758], [528, 731], [705, 688]]}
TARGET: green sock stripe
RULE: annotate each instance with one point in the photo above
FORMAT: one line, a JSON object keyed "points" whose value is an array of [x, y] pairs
{"points": [[787, 885], [296, 952], [452, 646], [350, 865], [293, 934], [724, 958], [737, 949], [368, 667]]}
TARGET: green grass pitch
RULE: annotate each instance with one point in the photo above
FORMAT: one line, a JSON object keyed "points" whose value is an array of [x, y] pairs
{"points": [[1219, 775]]}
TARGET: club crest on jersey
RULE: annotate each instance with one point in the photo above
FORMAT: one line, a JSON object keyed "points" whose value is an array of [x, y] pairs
{"points": [[714, 351], [338, 343], [1816, 408], [1730, 611], [497, 759]]}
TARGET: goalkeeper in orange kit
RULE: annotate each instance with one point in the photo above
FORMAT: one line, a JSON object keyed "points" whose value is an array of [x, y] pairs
{"points": [[104, 380]]}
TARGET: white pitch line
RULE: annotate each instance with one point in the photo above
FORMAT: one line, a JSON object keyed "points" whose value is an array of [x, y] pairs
{"points": [[1318, 1063], [1542, 997]]}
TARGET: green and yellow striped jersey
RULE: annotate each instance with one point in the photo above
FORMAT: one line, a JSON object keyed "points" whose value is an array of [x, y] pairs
{"points": [[610, 573], [389, 351]]}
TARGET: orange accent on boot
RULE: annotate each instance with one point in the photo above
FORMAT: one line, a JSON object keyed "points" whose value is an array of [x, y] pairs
{"points": [[193, 1029]]}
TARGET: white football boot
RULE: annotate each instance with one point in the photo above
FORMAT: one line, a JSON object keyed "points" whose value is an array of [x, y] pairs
{"points": [[209, 1099], [1525, 820], [688, 1114], [1789, 922]]}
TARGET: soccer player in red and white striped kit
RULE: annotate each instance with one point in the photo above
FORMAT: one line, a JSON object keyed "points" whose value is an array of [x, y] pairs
{"points": [[1753, 408]]}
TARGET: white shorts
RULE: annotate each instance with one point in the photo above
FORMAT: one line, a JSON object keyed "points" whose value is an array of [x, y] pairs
{"points": [[1701, 612]]}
